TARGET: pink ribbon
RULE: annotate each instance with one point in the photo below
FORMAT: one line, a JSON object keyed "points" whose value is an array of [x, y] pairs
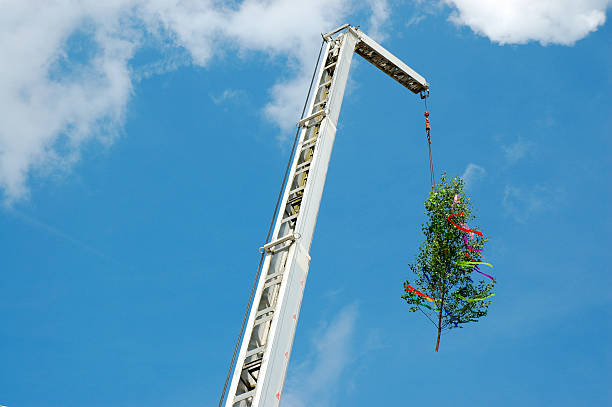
{"points": [[456, 200]]}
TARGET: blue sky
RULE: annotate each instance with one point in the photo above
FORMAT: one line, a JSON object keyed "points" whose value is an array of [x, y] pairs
{"points": [[142, 148]]}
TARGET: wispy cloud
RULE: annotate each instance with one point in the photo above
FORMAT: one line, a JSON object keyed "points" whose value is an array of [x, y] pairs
{"points": [[226, 96], [316, 382], [472, 174], [54, 231], [171, 59], [380, 15], [522, 203], [520, 149], [415, 19]]}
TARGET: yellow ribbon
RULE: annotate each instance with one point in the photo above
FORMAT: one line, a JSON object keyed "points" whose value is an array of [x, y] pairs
{"points": [[473, 263], [473, 299]]}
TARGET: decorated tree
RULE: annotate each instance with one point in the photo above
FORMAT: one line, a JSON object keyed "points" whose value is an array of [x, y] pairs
{"points": [[448, 285]]}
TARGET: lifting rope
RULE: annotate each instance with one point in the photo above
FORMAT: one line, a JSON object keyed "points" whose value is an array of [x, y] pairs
{"points": [[428, 129], [424, 96], [263, 254]]}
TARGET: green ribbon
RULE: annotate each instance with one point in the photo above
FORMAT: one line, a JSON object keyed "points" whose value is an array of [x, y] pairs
{"points": [[473, 299]]}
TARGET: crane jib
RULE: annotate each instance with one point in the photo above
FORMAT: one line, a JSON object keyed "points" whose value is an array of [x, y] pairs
{"points": [[262, 362]]}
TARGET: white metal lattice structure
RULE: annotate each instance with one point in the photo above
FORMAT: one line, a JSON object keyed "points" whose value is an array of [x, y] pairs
{"points": [[262, 363]]}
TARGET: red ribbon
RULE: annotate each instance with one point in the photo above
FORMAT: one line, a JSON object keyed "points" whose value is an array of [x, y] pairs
{"points": [[459, 227], [417, 292]]}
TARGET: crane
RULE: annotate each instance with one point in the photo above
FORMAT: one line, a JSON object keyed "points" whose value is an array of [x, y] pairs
{"points": [[262, 362]]}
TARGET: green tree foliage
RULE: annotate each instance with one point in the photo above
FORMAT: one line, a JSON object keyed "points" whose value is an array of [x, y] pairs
{"points": [[447, 286]]}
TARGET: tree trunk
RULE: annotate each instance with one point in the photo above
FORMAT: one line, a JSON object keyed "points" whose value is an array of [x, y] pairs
{"points": [[439, 328], [440, 321]]}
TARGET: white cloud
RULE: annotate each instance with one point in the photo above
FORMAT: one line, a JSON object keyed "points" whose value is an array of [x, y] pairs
{"points": [[317, 381], [517, 150], [380, 14], [46, 115], [226, 96], [522, 203], [415, 19], [520, 21], [276, 27], [472, 174], [53, 100]]}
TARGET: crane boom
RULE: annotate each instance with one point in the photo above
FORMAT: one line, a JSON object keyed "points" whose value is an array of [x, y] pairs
{"points": [[262, 362]]}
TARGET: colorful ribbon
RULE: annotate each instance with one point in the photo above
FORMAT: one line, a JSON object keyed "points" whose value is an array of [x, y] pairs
{"points": [[459, 227], [468, 246], [473, 299], [473, 263], [484, 274], [411, 289], [456, 200]]}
